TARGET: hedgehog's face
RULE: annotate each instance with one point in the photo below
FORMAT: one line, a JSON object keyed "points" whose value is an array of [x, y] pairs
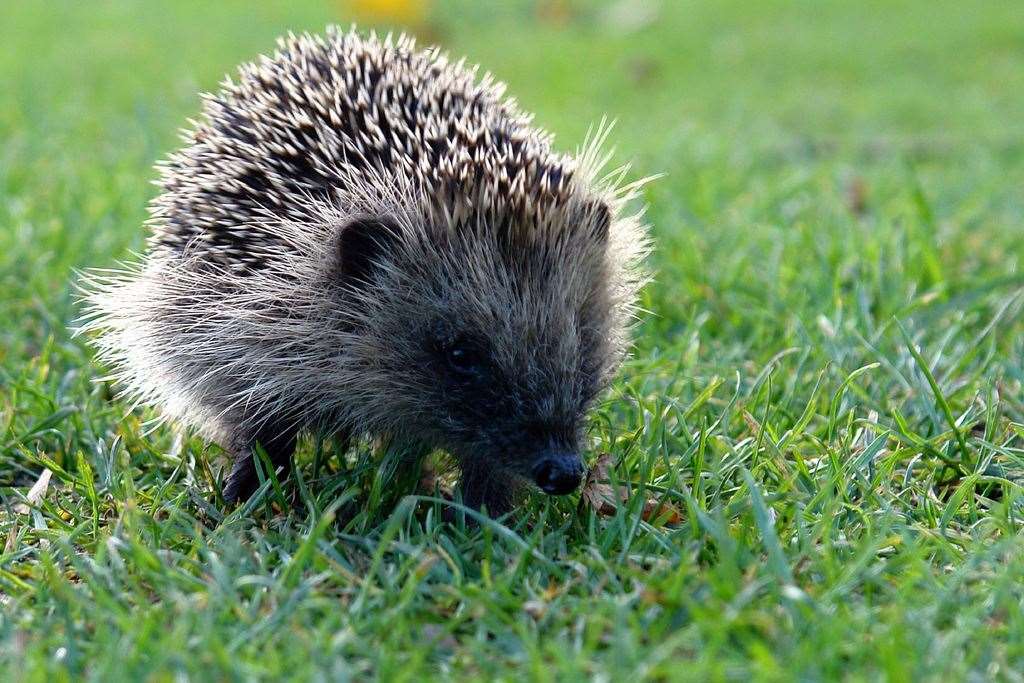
{"points": [[521, 414], [492, 351]]}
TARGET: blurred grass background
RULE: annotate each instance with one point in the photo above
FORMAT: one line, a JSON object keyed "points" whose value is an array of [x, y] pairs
{"points": [[836, 312]]}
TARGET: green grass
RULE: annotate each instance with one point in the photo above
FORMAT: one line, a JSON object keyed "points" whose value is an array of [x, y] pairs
{"points": [[829, 384]]}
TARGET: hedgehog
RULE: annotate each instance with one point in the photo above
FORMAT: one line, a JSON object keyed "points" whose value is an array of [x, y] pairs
{"points": [[364, 239]]}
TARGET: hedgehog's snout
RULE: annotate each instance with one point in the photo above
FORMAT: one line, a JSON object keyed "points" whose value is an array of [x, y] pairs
{"points": [[558, 473]]}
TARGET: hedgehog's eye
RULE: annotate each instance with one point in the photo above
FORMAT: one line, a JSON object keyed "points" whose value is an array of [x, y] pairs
{"points": [[463, 358]]}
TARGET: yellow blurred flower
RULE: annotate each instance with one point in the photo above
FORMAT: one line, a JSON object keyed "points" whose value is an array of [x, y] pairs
{"points": [[395, 11]]}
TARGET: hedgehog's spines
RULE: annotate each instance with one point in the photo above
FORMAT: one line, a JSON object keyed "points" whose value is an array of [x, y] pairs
{"points": [[406, 103]]}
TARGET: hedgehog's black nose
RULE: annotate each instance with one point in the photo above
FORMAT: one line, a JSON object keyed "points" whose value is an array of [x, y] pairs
{"points": [[558, 473]]}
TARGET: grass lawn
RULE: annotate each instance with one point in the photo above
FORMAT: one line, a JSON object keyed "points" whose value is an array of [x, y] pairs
{"points": [[829, 384]]}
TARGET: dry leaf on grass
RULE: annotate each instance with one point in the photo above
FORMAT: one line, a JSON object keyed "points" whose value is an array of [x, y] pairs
{"points": [[12, 538], [599, 494], [36, 493], [661, 513]]}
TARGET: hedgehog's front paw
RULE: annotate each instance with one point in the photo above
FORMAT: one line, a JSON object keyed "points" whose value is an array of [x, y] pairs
{"points": [[278, 443], [242, 482], [486, 492]]}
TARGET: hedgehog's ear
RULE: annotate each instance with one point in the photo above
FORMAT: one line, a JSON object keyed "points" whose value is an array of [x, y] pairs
{"points": [[360, 243]]}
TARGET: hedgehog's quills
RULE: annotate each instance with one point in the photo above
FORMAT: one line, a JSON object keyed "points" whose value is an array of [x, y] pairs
{"points": [[362, 238]]}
